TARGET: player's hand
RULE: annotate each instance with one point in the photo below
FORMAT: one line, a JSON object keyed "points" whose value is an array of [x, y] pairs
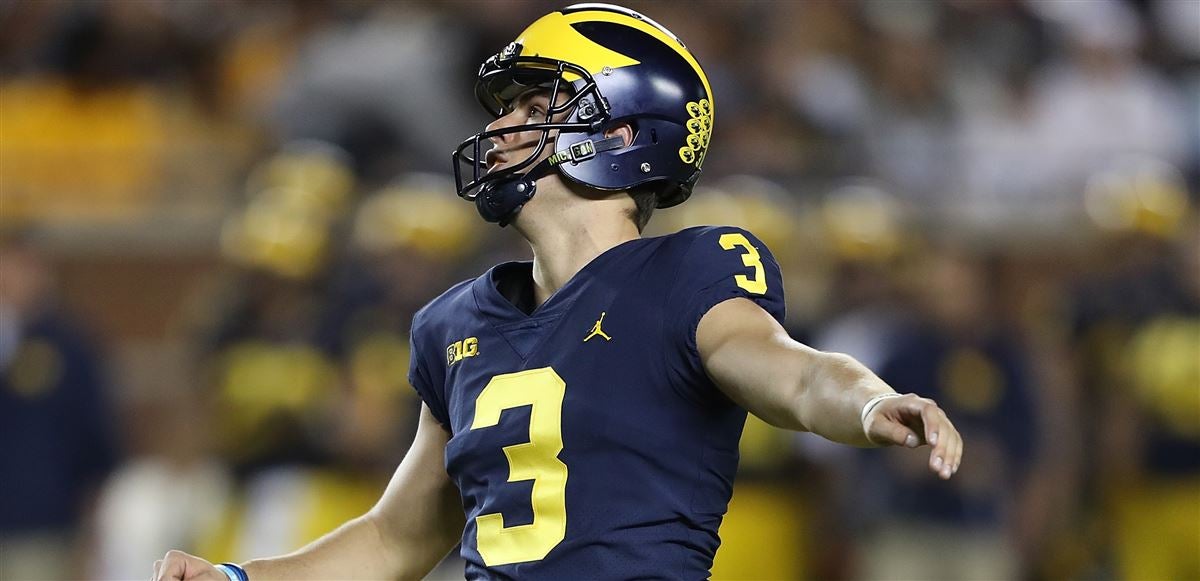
{"points": [[913, 421], [180, 566]]}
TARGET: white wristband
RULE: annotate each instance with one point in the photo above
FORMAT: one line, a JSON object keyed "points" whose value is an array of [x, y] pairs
{"points": [[233, 571], [229, 573], [870, 405]]}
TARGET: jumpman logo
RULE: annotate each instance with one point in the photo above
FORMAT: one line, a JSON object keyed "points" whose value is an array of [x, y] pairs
{"points": [[597, 331]]}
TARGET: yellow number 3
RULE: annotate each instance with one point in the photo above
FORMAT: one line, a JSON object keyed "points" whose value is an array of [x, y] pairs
{"points": [[758, 284], [536, 460]]}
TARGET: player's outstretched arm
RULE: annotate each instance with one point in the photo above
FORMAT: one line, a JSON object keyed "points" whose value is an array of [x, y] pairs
{"points": [[750, 356], [415, 523]]}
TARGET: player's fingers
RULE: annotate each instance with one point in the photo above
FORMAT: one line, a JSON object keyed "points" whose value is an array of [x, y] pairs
{"points": [[887, 432], [951, 458], [172, 567], [909, 412], [930, 419], [160, 568], [952, 454], [942, 440], [954, 458]]}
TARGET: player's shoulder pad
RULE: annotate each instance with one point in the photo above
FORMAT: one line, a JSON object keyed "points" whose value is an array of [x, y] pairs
{"points": [[436, 313], [700, 243], [713, 263]]}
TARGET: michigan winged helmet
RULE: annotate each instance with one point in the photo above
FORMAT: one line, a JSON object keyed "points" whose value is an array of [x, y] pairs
{"points": [[616, 66]]}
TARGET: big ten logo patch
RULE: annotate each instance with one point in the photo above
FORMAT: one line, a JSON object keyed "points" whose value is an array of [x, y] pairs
{"points": [[459, 350], [699, 127]]}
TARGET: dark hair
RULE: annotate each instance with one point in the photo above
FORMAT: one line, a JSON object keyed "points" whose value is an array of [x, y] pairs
{"points": [[645, 199]]}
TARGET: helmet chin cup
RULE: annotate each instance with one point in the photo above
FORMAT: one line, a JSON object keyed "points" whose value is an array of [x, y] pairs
{"points": [[500, 201]]}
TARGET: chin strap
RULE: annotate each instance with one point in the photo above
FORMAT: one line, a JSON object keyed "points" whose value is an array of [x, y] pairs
{"points": [[500, 201]]}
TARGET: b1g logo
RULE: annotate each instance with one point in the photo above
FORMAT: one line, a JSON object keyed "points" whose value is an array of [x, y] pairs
{"points": [[459, 350], [699, 132]]}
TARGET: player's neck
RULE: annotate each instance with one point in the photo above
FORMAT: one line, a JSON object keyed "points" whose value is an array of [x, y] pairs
{"points": [[570, 237]]}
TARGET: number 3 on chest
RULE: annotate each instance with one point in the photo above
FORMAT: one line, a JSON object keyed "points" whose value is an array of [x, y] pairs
{"points": [[536, 460]]}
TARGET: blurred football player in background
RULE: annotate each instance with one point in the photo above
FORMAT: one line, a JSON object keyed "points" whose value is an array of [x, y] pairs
{"points": [[1139, 326]]}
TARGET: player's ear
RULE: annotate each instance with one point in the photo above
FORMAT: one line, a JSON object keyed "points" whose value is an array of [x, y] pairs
{"points": [[624, 130]]}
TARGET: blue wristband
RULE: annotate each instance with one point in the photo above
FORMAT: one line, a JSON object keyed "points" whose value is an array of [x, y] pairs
{"points": [[233, 571]]}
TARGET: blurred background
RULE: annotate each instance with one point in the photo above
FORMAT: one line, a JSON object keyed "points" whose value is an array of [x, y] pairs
{"points": [[217, 217]]}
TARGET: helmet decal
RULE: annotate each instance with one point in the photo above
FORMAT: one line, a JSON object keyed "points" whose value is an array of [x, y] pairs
{"points": [[699, 132], [605, 13], [553, 37]]}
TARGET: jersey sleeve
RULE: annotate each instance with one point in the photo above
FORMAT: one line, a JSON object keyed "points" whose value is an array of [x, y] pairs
{"points": [[721, 263], [426, 372]]}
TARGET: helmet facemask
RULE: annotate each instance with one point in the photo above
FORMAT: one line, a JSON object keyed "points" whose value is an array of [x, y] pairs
{"points": [[501, 80]]}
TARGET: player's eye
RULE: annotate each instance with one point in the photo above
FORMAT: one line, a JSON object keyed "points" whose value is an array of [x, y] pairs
{"points": [[536, 112]]}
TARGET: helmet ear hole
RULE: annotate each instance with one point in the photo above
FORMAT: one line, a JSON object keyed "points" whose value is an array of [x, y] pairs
{"points": [[625, 130], [654, 136]]}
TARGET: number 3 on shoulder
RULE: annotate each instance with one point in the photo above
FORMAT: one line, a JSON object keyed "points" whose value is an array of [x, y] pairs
{"points": [[756, 284]]}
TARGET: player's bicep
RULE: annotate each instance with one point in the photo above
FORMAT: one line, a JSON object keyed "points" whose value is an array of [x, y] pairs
{"points": [[419, 513], [753, 361]]}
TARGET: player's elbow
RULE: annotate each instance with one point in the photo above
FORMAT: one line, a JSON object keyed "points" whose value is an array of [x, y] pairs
{"points": [[415, 540], [401, 551], [392, 545]]}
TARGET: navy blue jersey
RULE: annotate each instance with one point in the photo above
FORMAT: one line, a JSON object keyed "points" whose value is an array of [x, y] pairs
{"points": [[586, 439]]}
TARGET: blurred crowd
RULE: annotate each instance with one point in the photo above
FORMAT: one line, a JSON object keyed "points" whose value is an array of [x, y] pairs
{"points": [[218, 216]]}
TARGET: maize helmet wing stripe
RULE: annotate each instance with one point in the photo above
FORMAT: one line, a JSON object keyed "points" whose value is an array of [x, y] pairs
{"points": [[604, 13], [553, 37]]}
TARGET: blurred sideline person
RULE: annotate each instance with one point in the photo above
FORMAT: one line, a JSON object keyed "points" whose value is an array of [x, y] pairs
{"points": [[587, 405], [959, 351], [1138, 335], [57, 440]]}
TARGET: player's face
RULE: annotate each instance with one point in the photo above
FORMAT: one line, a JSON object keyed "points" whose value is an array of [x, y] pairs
{"points": [[512, 148]]}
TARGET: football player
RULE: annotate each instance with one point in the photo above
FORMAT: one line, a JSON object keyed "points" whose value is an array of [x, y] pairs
{"points": [[582, 411]]}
